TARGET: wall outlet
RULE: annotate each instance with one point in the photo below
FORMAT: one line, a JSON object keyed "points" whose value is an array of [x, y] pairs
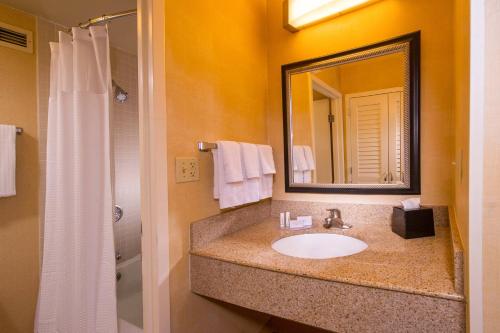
{"points": [[187, 169]]}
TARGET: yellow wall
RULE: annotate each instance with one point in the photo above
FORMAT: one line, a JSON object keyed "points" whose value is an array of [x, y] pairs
{"points": [[330, 76], [216, 89], [373, 74], [302, 109], [459, 208], [380, 21], [19, 214], [461, 120]]}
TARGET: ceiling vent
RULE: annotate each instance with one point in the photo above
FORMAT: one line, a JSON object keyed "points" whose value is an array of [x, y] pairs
{"points": [[16, 38]]}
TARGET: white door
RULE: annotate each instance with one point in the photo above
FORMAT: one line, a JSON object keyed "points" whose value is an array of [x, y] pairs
{"points": [[396, 152], [376, 133], [368, 138]]}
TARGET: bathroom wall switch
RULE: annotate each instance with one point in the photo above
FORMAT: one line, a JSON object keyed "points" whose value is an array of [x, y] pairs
{"points": [[187, 169]]}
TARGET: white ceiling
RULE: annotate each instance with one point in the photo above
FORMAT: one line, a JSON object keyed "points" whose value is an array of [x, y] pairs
{"points": [[123, 31]]}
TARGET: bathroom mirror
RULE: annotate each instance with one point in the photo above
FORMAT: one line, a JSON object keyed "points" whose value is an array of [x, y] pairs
{"points": [[351, 120]]}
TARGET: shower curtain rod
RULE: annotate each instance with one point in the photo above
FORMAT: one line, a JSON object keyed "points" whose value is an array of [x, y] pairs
{"points": [[106, 18]]}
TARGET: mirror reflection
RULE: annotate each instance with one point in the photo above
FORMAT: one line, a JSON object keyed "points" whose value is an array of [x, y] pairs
{"points": [[347, 121]]}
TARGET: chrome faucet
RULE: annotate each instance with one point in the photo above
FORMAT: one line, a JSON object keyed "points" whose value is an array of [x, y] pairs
{"points": [[335, 221]]}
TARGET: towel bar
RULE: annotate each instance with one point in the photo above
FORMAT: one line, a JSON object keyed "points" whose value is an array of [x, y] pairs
{"points": [[19, 130], [206, 146]]}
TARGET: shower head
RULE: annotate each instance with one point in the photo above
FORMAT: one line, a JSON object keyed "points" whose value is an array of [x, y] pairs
{"points": [[120, 94]]}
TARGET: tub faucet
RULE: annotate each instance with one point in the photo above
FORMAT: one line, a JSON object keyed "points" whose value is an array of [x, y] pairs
{"points": [[335, 221]]}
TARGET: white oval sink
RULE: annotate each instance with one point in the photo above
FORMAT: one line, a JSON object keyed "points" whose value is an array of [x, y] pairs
{"points": [[319, 246]]}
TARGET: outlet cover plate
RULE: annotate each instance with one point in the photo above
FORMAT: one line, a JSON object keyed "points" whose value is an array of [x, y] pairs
{"points": [[187, 169]]}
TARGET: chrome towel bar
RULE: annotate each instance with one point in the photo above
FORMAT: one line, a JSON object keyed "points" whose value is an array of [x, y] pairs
{"points": [[206, 146]]}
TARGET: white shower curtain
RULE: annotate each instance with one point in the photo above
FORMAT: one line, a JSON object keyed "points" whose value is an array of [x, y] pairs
{"points": [[77, 288]]}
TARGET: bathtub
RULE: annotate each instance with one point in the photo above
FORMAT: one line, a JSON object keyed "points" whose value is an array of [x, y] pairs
{"points": [[129, 295]]}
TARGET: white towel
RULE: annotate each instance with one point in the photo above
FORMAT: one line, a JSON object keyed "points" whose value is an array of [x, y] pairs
{"points": [[299, 159], [231, 158], [307, 176], [266, 159], [266, 186], [299, 164], [215, 155], [251, 171], [298, 177], [267, 170], [251, 162], [230, 194], [7, 160], [311, 165]]}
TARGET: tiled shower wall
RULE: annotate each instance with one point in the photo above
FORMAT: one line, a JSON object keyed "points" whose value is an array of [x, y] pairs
{"points": [[126, 152], [125, 120]]}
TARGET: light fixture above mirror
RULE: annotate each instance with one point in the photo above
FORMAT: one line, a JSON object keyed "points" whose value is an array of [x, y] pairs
{"points": [[299, 14]]}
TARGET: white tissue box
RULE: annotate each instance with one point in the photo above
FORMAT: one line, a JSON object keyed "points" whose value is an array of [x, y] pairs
{"points": [[412, 203], [295, 224], [305, 220]]}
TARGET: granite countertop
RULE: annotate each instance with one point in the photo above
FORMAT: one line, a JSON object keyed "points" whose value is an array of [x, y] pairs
{"points": [[422, 266]]}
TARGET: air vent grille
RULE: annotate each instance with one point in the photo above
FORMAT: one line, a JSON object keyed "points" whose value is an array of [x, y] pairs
{"points": [[16, 38]]}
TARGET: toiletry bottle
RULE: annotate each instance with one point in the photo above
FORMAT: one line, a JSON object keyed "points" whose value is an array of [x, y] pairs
{"points": [[282, 220], [287, 220]]}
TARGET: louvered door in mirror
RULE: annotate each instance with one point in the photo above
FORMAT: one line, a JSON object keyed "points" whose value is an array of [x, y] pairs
{"points": [[351, 120]]}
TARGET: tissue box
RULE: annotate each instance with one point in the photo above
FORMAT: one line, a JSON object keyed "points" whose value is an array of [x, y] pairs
{"points": [[305, 220], [413, 223]]}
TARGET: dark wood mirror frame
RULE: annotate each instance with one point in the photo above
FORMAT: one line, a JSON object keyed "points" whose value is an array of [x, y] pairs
{"points": [[413, 40]]}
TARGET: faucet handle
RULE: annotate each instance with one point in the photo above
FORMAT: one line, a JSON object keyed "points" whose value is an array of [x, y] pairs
{"points": [[334, 212]]}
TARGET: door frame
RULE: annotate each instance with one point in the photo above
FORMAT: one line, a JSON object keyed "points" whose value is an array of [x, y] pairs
{"points": [[478, 41], [348, 98], [153, 165], [335, 97]]}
